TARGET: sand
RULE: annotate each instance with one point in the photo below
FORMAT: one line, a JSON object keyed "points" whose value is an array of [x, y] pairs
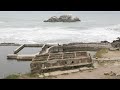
{"points": [[92, 74]]}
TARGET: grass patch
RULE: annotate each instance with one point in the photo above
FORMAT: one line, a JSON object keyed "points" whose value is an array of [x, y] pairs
{"points": [[101, 52], [18, 76], [13, 76], [31, 75]]}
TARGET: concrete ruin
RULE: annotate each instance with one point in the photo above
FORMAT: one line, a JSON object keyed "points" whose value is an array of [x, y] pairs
{"points": [[62, 60], [66, 56], [9, 44], [46, 48], [16, 56], [59, 57]]}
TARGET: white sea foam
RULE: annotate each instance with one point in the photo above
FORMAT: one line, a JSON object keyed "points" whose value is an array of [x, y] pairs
{"points": [[114, 27], [57, 34]]}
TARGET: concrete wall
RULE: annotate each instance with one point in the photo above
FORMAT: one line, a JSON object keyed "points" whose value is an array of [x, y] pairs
{"points": [[33, 45], [38, 66], [55, 56], [43, 57], [97, 45], [79, 47], [69, 55], [74, 48], [44, 48], [58, 60], [19, 49], [60, 55], [55, 49]]}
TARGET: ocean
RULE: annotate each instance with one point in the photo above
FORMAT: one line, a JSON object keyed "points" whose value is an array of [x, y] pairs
{"points": [[28, 27]]}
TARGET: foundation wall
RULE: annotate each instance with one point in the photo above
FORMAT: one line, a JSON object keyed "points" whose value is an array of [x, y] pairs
{"points": [[38, 66], [79, 47], [59, 60]]}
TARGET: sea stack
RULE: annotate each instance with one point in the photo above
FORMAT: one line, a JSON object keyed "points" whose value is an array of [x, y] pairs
{"points": [[63, 18]]}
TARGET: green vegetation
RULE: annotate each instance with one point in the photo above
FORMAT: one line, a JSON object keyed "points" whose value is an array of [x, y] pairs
{"points": [[18, 76], [31, 75], [101, 52], [14, 76]]}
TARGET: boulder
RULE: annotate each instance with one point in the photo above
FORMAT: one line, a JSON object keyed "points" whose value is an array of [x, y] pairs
{"points": [[116, 43], [63, 18]]}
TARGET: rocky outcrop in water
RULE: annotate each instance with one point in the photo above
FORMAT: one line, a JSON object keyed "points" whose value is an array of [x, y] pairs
{"points": [[63, 18]]}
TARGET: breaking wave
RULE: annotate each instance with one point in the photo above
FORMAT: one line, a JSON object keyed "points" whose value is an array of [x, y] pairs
{"points": [[58, 34]]}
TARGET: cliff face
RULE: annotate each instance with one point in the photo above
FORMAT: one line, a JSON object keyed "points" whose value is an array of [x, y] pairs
{"points": [[63, 18]]}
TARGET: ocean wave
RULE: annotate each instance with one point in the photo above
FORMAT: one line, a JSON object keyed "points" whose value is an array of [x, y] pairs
{"points": [[113, 27], [57, 34]]}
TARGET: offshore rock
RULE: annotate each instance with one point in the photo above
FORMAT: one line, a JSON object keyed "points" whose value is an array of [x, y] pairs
{"points": [[63, 18]]}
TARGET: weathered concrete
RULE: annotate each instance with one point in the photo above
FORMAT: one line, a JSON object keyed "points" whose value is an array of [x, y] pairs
{"points": [[55, 49], [105, 45], [19, 49], [78, 47], [61, 60], [70, 55], [9, 44], [25, 57], [62, 56], [21, 57], [44, 48], [70, 47], [27, 45], [11, 56], [33, 45]]}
